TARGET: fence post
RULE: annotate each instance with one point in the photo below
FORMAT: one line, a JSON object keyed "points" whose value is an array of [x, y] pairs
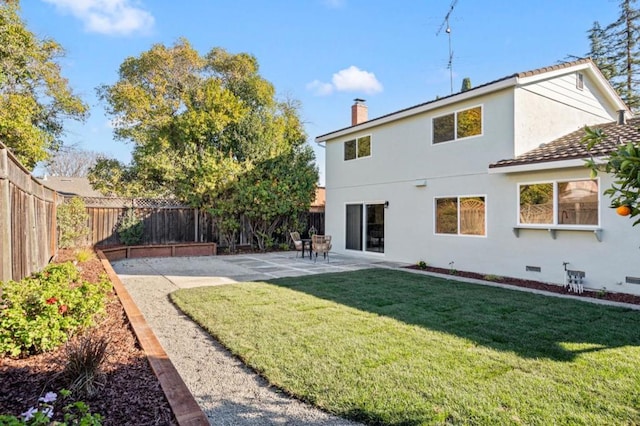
{"points": [[5, 219]]}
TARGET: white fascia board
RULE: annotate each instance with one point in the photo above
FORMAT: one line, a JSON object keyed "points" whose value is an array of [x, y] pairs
{"points": [[463, 96], [552, 74], [549, 165], [609, 92]]}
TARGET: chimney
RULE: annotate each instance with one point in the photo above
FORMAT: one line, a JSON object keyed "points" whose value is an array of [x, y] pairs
{"points": [[358, 112], [621, 118]]}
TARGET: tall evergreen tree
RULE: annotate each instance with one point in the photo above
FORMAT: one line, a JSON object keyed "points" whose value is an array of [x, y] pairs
{"points": [[622, 39], [600, 52]]}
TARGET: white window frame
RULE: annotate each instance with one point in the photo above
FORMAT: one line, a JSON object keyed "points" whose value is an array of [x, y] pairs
{"points": [[357, 157], [554, 216], [458, 197], [455, 125]]}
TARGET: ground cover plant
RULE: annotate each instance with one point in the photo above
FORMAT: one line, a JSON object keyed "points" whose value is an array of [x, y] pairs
{"points": [[390, 347], [125, 391]]}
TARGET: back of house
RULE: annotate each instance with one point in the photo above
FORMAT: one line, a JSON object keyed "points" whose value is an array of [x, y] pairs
{"points": [[490, 180]]}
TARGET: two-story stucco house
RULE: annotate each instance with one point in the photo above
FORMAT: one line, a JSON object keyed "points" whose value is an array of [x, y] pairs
{"points": [[490, 180]]}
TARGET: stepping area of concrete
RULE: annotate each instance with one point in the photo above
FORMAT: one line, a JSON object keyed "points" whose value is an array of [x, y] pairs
{"points": [[186, 272]]}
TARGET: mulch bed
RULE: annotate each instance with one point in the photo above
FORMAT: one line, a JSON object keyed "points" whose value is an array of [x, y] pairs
{"points": [[131, 394], [607, 295]]}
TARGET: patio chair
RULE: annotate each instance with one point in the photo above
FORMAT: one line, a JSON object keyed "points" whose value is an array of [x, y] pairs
{"points": [[297, 241], [321, 244]]}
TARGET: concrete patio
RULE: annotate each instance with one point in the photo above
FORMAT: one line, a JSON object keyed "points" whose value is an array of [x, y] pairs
{"points": [[185, 272]]}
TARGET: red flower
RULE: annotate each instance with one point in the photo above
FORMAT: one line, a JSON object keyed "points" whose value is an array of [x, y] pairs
{"points": [[62, 309], [51, 300]]}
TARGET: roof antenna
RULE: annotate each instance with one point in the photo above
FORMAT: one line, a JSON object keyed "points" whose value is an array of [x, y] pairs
{"points": [[445, 22]]}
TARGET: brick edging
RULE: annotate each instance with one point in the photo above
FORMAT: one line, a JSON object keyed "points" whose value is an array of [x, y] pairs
{"points": [[183, 404]]}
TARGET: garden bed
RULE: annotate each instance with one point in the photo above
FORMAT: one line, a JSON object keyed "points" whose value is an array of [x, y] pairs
{"points": [[131, 394], [537, 285]]}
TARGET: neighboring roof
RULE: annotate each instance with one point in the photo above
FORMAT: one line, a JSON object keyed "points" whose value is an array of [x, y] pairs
{"points": [[70, 186], [570, 147], [320, 200], [492, 86]]}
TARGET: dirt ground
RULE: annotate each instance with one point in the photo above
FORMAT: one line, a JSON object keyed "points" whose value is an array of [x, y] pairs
{"points": [[131, 393]]}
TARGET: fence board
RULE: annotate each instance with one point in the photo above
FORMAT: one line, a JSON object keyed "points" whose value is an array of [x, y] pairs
{"points": [[27, 220]]}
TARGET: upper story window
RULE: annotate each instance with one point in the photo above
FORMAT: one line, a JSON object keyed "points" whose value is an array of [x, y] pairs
{"points": [[460, 216], [357, 148], [573, 202], [457, 125]]}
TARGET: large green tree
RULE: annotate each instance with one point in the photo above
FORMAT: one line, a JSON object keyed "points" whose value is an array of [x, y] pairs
{"points": [[624, 164], [35, 99], [204, 129]]}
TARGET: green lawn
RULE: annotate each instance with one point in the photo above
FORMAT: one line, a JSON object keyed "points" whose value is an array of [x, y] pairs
{"points": [[395, 348]]}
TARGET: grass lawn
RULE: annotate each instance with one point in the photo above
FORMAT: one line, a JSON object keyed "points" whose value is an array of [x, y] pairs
{"points": [[395, 348]]}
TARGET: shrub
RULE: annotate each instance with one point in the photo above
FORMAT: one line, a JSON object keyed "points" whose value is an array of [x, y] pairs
{"points": [[130, 228], [84, 358], [491, 277], [41, 312], [422, 264], [72, 218], [84, 255]]}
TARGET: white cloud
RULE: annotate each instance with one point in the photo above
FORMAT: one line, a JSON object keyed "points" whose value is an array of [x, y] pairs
{"points": [[111, 17], [320, 88], [351, 79], [354, 79]]}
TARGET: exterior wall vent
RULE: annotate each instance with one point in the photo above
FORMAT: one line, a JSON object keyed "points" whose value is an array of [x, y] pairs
{"points": [[579, 81], [533, 268], [633, 280]]}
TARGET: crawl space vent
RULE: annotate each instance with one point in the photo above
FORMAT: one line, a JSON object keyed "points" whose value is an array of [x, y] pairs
{"points": [[533, 268]]}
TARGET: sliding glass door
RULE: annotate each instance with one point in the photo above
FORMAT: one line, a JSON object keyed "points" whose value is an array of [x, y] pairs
{"points": [[365, 227], [375, 228], [354, 227]]}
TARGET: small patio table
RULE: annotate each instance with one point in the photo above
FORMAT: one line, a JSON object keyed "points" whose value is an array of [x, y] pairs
{"points": [[306, 242]]}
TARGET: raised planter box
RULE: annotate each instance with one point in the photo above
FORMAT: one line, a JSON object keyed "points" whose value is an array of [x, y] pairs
{"points": [[164, 250]]}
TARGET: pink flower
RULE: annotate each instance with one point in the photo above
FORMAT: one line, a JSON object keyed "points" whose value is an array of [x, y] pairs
{"points": [[62, 309], [51, 300]]}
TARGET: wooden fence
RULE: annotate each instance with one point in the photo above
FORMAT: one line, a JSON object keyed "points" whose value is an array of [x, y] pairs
{"points": [[163, 224], [27, 220], [168, 223]]}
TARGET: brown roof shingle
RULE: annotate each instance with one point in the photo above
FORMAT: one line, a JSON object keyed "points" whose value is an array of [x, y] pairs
{"points": [[570, 146]]}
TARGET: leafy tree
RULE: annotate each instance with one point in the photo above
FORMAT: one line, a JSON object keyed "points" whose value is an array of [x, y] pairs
{"points": [[624, 165], [203, 127], [276, 190], [34, 97], [73, 228]]}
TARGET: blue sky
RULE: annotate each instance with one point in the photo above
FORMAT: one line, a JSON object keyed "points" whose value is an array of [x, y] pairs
{"points": [[324, 53]]}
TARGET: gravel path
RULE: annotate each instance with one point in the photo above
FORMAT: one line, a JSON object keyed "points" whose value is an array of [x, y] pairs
{"points": [[228, 392]]}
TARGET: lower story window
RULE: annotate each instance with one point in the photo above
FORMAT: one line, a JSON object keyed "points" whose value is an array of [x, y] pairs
{"points": [[460, 215], [365, 227], [559, 203]]}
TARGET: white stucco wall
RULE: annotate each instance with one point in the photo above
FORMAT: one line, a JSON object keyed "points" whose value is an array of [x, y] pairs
{"points": [[554, 107], [402, 153]]}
